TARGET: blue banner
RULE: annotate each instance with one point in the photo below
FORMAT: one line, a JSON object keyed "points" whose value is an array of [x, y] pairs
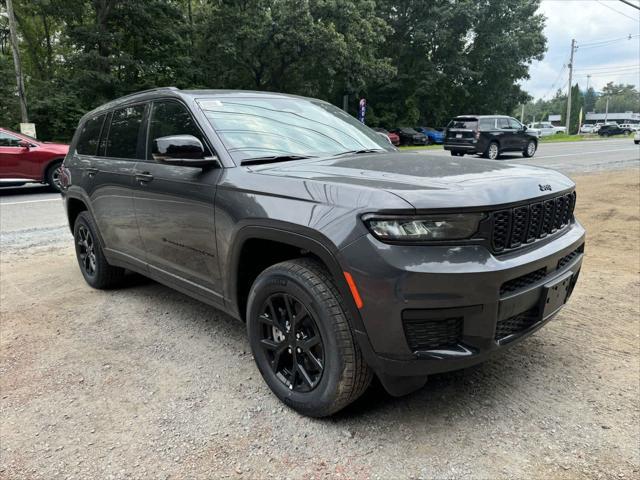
{"points": [[362, 109]]}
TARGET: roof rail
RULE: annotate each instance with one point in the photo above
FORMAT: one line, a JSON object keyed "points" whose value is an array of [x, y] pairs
{"points": [[157, 89]]}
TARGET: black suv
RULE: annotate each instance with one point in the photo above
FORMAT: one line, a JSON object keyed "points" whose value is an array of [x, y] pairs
{"points": [[488, 135], [609, 130], [344, 257]]}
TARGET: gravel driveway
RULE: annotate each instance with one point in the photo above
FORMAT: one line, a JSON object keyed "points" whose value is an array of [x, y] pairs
{"points": [[143, 382]]}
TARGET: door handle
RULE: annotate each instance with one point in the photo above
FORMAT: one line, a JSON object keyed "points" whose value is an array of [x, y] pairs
{"points": [[144, 177], [91, 172]]}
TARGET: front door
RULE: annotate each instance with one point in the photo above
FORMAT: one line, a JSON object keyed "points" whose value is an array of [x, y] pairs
{"points": [[14, 159], [505, 134], [520, 138], [175, 209]]}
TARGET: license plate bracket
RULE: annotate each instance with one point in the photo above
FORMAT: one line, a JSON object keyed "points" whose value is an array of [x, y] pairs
{"points": [[554, 294]]}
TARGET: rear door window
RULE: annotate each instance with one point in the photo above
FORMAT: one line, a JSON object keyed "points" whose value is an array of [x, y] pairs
{"points": [[487, 124], [90, 136], [503, 123], [124, 132]]}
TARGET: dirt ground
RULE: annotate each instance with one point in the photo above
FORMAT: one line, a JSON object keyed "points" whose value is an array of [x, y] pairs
{"points": [[143, 382]]}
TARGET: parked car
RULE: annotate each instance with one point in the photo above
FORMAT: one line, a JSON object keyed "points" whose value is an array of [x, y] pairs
{"points": [[433, 135], [632, 127], [534, 131], [393, 138], [344, 257], [610, 130], [587, 128], [24, 159], [547, 128], [489, 135], [409, 136], [636, 137]]}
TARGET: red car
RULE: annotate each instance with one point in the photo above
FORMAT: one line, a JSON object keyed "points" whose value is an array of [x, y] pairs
{"points": [[393, 137], [24, 160]]}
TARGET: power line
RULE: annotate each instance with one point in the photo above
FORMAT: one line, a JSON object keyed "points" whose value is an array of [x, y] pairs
{"points": [[609, 40], [617, 11], [608, 67]]}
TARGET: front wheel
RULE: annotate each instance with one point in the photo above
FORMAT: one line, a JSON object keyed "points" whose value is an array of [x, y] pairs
{"points": [[53, 176], [530, 149], [492, 151], [301, 339]]}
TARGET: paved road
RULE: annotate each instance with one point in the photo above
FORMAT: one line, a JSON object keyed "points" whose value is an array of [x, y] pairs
{"points": [[34, 216], [578, 157]]}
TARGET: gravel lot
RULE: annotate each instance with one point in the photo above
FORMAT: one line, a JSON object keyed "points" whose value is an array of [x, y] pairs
{"points": [[143, 382]]}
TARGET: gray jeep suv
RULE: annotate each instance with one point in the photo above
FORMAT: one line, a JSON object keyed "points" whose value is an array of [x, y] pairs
{"points": [[345, 257]]}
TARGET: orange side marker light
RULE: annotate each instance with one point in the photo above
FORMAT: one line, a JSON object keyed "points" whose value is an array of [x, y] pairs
{"points": [[354, 290]]}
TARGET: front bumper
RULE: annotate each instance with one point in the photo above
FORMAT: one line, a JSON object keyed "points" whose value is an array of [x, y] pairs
{"points": [[488, 301]]}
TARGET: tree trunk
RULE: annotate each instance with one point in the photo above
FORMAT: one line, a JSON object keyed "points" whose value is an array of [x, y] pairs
{"points": [[16, 60]]}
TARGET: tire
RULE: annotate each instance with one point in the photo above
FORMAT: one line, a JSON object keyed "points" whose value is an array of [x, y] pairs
{"points": [[330, 371], [53, 175], [93, 265], [457, 153], [530, 150], [492, 152], [637, 142]]}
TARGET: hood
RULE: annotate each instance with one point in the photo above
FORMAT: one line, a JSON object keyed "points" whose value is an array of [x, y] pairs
{"points": [[429, 181], [55, 147]]}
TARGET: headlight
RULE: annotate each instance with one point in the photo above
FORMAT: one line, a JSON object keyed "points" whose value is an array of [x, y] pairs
{"points": [[424, 228]]}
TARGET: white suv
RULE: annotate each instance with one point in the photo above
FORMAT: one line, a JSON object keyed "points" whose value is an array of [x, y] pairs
{"points": [[547, 128]]}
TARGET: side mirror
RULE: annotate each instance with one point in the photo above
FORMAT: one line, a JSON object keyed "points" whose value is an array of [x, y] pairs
{"points": [[185, 150], [24, 144]]}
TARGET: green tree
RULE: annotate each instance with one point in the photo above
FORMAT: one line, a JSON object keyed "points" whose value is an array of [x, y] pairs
{"points": [[622, 98]]}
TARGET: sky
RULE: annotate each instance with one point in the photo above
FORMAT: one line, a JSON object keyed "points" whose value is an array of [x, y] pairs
{"points": [[601, 28]]}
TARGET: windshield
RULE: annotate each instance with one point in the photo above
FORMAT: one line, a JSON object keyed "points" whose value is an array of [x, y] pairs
{"points": [[285, 126]]}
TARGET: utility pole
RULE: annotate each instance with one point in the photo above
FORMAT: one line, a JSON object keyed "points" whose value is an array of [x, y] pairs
{"points": [[606, 111], [522, 115], [16, 60], [573, 49]]}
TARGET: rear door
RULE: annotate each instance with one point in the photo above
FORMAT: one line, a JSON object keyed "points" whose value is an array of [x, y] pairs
{"points": [[108, 176], [461, 131], [175, 208]]}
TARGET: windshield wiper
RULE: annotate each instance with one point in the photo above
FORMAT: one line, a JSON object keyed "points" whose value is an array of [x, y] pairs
{"points": [[364, 150], [274, 159]]}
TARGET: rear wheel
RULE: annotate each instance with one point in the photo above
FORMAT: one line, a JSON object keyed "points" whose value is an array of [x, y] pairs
{"points": [[53, 175], [530, 149], [492, 151], [301, 339], [94, 267]]}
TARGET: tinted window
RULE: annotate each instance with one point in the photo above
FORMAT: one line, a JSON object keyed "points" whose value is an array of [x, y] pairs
{"points": [[171, 118], [487, 124], [123, 133], [513, 123], [90, 136], [7, 140], [502, 123], [465, 123]]}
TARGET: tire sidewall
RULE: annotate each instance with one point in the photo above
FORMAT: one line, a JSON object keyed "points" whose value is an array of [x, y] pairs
{"points": [[85, 220], [49, 177], [526, 149], [282, 281]]}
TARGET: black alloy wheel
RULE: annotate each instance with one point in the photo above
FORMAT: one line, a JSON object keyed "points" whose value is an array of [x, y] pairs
{"points": [[292, 342], [86, 251]]}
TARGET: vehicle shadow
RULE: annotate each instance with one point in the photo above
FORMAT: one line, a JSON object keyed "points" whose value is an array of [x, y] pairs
{"points": [[24, 190]]}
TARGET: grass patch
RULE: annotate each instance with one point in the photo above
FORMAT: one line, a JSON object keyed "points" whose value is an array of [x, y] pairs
{"points": [[421, 147], [561, 137]]}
